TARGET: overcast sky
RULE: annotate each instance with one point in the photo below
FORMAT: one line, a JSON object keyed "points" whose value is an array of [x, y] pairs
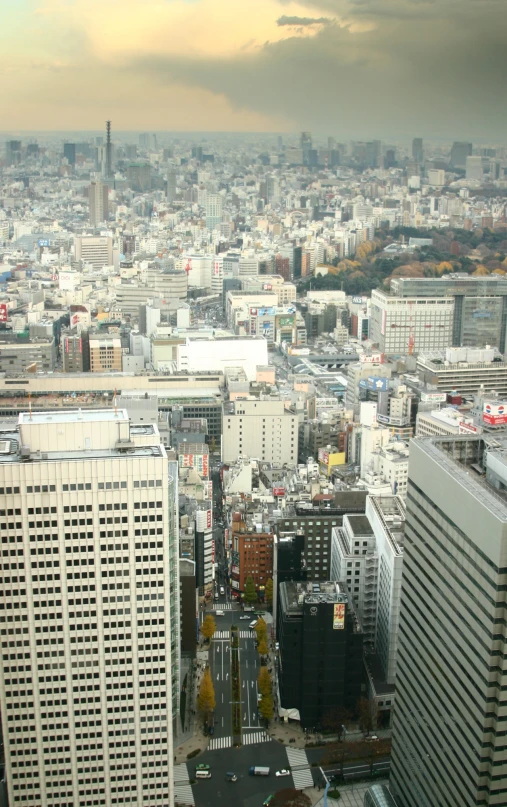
{"points": [[348, 68]]}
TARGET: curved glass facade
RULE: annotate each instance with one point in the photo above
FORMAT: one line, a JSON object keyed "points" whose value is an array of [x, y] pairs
{"points": [[379, 796]]}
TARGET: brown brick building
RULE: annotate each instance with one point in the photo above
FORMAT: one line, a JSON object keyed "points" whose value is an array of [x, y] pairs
{"points": [[252, 555]]}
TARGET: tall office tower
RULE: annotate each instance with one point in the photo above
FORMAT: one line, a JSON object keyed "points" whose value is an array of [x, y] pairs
{"points": [[69, 152], [13, 152], [214, 204], [98, 194], [459, 154], [305, 142], [417, 149], [109, 151], [474, 168], [86, 704], [171, 185], [449, 722]]}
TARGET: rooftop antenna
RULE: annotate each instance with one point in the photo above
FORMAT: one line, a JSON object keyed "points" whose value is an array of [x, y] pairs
{"points": [[108, 149]]}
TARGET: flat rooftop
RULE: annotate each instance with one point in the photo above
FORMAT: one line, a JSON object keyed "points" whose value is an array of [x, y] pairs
{"points": [[73, 416]]}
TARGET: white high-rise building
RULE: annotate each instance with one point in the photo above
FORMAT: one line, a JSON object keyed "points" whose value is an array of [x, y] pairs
{"points": [[89, 676], [261, 429], [214, 205]]}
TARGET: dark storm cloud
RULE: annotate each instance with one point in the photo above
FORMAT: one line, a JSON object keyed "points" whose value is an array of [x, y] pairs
{"points": [[302, 21], [389, 68]]}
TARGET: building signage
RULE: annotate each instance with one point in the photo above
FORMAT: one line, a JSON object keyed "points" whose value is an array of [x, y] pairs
{"points": [[375, 358], [339, 616], [433, 397], [278, 491], [374, 383], [494, 414], [213, 551], [286, 322], [235, 569], [3, 312], [314, 610], [323, 456], [43, 242], [466, 428], [267, 287], [393, 421], [357, 300], [481, 314], [208, 519]]}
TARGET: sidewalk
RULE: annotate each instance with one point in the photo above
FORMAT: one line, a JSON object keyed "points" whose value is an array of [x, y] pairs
{"points": [[192, 736]]}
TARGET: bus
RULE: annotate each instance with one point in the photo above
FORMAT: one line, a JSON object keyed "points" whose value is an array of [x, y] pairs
{"points": [[202, 772]]}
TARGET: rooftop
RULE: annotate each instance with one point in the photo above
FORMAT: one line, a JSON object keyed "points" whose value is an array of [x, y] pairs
{"points": [[74, 416]]}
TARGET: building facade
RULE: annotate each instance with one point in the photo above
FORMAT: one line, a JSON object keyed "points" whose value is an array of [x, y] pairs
{"points": [[401, 325], [320, 665], [448, 731], [93, 530], [258, 428]]}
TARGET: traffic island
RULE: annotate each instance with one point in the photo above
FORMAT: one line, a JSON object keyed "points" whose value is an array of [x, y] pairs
{"points": [[236, 688]]}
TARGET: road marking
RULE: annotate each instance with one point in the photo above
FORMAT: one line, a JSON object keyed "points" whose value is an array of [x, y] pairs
{"points": [[218, 676], [219, 742], [255, 737]]}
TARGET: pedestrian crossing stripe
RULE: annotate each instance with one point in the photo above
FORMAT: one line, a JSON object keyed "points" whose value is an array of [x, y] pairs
{"points": [[219, 742], [226, 606], [247, 634], [222, 634], [254, 737]]}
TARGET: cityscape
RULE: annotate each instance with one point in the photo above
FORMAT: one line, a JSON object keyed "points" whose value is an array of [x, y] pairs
{"points": [[253, 404]]}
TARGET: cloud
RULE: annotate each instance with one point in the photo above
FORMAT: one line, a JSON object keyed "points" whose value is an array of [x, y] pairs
{"points": [[302, 21], [354, 68]]}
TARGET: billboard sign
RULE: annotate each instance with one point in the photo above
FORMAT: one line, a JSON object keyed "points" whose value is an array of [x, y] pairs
{"points": [[357, 300], [267, 287], [43, 242], [339, 616], [433, 397], [3, 312], [278, 491], [494, 414], [375, 358], [323, 456], [466, 428], [374, 383], [208, 519]]}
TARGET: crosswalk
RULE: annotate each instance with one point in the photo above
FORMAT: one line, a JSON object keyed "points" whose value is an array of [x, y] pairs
{"points": [[247, 634], [255, 737], [223, 606], [219, 742], [182, 790], [222, 634], [300, 768]]}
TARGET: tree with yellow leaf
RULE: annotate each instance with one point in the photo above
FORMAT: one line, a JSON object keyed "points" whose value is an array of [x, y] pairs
{"points": [[206, 699]]}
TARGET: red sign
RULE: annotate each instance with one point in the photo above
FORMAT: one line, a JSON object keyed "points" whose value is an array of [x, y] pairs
{"points": [[278, 491], [208, 519], [3, 312], [495, 414], [213, 551]]}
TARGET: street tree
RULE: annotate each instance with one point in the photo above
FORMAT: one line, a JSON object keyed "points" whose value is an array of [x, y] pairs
{"points": [[261, 629], [262, 647], [367, 715], [264, 681], [250, 593], [208, 627], [206, 699], [266, 708], [288, 797], [268, 593]]}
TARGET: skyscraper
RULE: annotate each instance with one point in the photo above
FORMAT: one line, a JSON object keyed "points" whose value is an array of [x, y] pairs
{"points": [[459, 154], [98, 195], [69, 152], [449, 721], [214, 204], [171, 185], [417, 149], [85, 701]]}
